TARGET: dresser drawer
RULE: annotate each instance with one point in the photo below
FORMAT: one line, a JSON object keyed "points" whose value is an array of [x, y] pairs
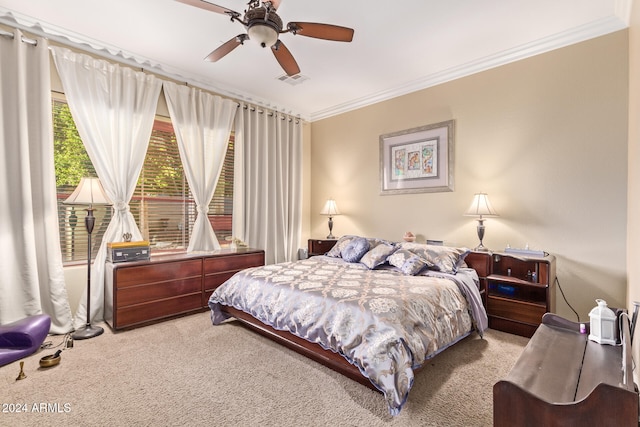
{"points": [[232, 263], [156, 291], [520, 311], [158, 272], [154, 310], [219, 270], [212, 281]]}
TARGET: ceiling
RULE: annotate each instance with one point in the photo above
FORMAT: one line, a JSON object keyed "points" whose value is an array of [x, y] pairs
{"points": [[398, 47]]}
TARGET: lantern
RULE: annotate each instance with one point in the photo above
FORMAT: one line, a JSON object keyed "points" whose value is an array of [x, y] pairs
{"points": [[603, 324]]}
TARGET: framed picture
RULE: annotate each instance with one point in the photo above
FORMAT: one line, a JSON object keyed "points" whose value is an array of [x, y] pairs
{"points": [[418, 160]]}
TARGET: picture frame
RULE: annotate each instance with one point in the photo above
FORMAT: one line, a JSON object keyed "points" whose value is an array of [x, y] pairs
{"points": [[418, 160]]}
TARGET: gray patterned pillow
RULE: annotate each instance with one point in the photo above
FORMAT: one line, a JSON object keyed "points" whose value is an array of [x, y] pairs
{"points": [[413, 265], [399, 257], [440, 258], [378, 254], [374, 241], [408, 262], [336, 250], [355, 250]]}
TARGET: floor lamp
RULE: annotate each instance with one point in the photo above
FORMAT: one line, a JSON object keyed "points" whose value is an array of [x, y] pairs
{"points": [[89, 192]]}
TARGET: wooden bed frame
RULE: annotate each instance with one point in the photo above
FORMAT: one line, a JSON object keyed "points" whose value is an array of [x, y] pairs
{"points": [[479, 261]]}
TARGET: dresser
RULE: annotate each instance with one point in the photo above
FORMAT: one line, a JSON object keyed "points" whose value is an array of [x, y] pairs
{"points": [[143, 292]]}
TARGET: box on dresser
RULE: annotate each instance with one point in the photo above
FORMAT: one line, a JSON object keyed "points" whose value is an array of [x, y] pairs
{"points": [[142, 292], [128, 251]]}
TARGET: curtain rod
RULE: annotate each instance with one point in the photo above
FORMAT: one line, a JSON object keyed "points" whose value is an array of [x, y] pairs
{"points": [[23, 38], [270, 113], [239, 105], [131, 62]]}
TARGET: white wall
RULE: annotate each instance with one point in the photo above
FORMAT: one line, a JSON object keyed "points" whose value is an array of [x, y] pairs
{"points": [[545, 137]]}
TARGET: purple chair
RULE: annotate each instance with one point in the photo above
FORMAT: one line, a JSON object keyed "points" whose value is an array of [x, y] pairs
{"points": [[22, 338]]}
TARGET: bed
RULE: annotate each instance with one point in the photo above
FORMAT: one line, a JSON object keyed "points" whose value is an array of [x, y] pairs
{"points": [[370, 309]]}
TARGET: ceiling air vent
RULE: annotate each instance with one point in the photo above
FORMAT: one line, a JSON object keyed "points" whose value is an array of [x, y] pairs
{"points": [[293, 80]]}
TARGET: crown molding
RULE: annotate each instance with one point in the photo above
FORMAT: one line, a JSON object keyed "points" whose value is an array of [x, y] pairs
{"points": [[582, 33]]}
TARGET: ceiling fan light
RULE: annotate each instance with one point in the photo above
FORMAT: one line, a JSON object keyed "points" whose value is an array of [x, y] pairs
{"points": [[265, 35]]}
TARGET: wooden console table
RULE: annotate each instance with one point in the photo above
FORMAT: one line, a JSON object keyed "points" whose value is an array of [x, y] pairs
{"points": [[142, 292], [564, 379]]}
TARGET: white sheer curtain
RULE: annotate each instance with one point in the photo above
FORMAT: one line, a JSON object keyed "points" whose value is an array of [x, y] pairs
{"points": [[32, 278], [268, 194], [202, 123], [113, 108]]}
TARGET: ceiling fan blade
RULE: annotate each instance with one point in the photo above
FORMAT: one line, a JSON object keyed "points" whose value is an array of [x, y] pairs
{"points": [[227, 47], [321, 31], [285, 59], [210, 7]]}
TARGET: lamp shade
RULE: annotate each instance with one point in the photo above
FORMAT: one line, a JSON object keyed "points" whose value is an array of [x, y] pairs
{"points": [[88, 192], [330, 208], [481, 206]]}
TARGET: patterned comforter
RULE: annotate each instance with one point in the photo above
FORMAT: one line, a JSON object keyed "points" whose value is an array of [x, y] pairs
{"points": [[382, 321]]}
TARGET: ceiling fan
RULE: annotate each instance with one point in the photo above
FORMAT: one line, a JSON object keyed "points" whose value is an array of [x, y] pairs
{"points": [[264, 26]]}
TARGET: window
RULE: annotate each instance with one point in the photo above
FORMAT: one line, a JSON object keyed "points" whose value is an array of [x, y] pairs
{"points": [[162, 204]]}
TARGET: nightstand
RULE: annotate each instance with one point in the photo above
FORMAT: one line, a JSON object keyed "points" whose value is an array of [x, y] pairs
{"points": [[482, 262], [520, 290], [320, 246]]}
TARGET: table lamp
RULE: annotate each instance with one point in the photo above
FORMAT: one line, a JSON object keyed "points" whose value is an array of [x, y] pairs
{"points": [[330, 209], [480, 207]]}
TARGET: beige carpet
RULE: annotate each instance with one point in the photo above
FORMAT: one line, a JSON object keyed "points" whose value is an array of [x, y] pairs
{"points": [[188, 372]]}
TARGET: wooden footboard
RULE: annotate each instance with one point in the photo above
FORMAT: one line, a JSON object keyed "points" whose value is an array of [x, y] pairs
{"points": [[311, 350]]}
